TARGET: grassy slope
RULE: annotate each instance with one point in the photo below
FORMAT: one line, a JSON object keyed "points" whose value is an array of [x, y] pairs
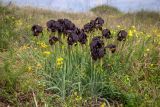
{"points": [[131, 76]]}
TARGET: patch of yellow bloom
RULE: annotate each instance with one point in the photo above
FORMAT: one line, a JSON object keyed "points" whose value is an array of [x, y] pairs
{"points": [[118, 26], [59, 61], [24, 47], [42, 44], [148, 50], [152, 65], [29, 69], [78, 98], [103, 104], [133, 27], [130, 33], [46, 53]]}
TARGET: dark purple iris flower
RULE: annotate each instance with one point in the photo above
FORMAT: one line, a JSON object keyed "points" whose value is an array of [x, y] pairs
{"points": [[36, 29], [106, 33], [87, 27], [112, 47], [122, 34], [53, 40], [51, 25], [97, 48], [94, 24], [82, 37], [96, 43], [99, 23], [72, 38], [61, 25]]}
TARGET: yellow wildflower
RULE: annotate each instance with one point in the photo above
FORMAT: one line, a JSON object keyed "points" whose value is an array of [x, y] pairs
{"points": [[24, 47], [148, 36], [75, 93], [42, 44], [148, 50], [134, 31], [46, 53], [130, 33], [118, 26], [29, 69], [103, 104], [133, 27], [78, 98], [59, 61], [152, 65]]}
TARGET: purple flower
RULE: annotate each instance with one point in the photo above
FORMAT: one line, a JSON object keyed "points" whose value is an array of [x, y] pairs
{"points": [[99, 23], [72, 38], [53, 40], [87, 27], [106, 33], [94, 24], [36, 29], [122, 34], [97, 48], [51, 25], [82, 37], [111, 47]]}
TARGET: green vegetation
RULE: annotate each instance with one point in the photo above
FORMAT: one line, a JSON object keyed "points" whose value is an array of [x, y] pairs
{"points": [[105, 9], [7, 33], [33, 73], [151, 16]]}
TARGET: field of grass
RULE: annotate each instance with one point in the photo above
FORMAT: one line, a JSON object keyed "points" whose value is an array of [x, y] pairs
{"points": [[35, 74]]}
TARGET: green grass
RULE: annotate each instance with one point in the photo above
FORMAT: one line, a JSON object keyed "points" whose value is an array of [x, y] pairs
{"points": [[105, 9], [30, 77], [7, 33]]}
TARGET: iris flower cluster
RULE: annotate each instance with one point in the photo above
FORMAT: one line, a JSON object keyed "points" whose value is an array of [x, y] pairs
{"points": [[97, 48], [65, 26], [61, 25], [94, 24], [75, 34]]}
